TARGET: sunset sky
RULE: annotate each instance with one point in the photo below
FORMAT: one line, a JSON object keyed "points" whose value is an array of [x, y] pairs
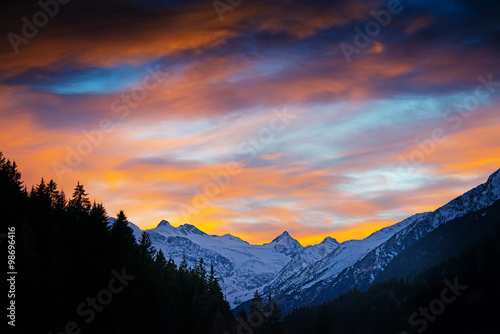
{"points": [[316, 117]]}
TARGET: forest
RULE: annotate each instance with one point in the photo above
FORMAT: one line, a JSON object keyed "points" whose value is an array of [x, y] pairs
{"points": [[78, 274], [457, 295]]}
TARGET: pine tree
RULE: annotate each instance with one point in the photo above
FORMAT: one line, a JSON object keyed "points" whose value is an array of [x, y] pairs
{"points": [[183, 266], [214, 287], [41, 189], [99, 216], [160, 260], [120, 226], [11, 191], [272, 311], [200, 271], [41, 193], [213, 281], [60, 202], [41, 196], [146, 246], [10, 177], [257, 305], [171, 266], [122, 235], [53, 192], [80, 201]]}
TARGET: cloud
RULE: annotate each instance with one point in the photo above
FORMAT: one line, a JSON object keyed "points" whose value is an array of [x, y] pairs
{"points": [[335, 168]]}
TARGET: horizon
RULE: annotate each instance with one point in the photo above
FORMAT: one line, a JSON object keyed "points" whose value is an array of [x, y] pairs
{"points": [[291, 234], [320, 119]]}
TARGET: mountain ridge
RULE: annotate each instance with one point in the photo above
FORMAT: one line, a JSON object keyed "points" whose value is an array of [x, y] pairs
{"points": [[307, 275], [362, 273]]}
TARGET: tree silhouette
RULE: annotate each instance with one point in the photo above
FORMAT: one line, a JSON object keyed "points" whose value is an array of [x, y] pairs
{"points": [[80, 201], [257, 305], [160, 260], [272, 311], [99, 216], [146, 246], [53, 192], [69, 257]]}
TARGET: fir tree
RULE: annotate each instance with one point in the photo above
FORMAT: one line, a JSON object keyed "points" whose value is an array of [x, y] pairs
{"points": [[10, 177], [183, 266], [146, 246], [122, 236], [160, 260], [171, 266], [12, 194], [99, 216], [80, 201], [60, 201], [272, 311], [257, 305], [120, 226], [200, 271], [53, 192], [41, 191]]}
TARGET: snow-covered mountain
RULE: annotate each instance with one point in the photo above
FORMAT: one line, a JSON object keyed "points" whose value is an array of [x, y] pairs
{"points": [[356, 263], [242, 267], [308, 275]]}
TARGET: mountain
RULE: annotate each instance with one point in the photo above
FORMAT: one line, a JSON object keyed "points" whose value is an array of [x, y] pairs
{"points": [[357, 263], [446, 241], [464, 250], [285, 244], [242, 267], [310, 275]]}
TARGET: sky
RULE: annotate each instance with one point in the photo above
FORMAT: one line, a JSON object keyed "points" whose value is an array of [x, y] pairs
{"points": [[321, 118]]}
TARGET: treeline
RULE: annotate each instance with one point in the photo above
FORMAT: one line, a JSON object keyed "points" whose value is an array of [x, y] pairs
{"points": [[459, 295], [77, 274], [263, 316]]}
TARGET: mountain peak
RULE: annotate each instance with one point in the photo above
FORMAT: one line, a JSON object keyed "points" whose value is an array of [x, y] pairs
{"points": [[284, 235], [284, 243], [330, 241], [164, 223], [165, 228], [190, 229]]}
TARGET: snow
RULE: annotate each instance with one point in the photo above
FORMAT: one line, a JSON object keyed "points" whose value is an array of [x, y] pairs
{"points": [[243, 267], [285, 265]]}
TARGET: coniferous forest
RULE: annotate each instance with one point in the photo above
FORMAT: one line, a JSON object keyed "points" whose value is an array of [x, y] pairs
{"points": [[459, 294], [78, 274]]}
